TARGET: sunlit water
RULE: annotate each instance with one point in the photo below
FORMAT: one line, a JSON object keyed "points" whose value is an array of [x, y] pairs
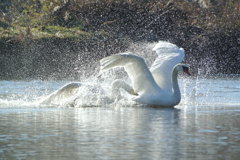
{"points": [[206, 125]]}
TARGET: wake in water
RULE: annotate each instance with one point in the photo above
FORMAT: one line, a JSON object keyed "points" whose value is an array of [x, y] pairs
{"points": [[23, 93]]}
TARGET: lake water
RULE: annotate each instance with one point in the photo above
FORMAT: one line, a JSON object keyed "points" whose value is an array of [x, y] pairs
{"points": [[205, 125]]}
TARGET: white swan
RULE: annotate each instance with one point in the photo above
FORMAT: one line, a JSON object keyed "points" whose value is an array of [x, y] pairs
{"points": [[156, 87]]}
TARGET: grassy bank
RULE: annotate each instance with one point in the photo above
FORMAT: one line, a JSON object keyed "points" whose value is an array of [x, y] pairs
{"points": [[119, 18]]}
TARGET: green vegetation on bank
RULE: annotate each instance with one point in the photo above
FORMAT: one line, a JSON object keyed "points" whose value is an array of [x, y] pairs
{"points": [[36, 19], [88, 18], [20, 32]]}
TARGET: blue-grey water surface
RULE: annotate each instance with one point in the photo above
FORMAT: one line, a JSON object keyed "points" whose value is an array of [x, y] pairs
{"points": [[206, 125]]}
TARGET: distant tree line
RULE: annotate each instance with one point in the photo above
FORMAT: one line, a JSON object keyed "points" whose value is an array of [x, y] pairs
{"points": [[40, 37]]}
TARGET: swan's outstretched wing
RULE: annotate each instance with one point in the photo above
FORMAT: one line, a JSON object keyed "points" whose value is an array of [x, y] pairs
{"points": [[169, 55], [136, 68]]}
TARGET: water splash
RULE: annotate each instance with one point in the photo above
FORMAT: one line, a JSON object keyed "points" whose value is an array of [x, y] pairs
{"points": [[96, 90]]}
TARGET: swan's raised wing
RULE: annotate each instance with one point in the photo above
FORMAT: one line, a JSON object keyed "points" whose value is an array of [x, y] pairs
{"points": [[169, 55], [136, 68]]}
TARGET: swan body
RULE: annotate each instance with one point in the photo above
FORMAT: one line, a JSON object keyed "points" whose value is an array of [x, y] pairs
{"points": [[155, 86]]}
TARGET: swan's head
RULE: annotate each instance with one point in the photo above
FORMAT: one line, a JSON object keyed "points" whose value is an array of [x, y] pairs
{"points": [[183, 68]]}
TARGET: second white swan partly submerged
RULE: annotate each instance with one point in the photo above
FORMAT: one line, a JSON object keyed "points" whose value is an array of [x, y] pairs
{"points": [[157, 86]]}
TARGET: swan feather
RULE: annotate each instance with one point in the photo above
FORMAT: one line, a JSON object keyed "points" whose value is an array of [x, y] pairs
{"points": [[169, 55]]}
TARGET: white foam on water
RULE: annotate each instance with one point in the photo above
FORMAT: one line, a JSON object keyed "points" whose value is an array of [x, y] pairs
{"points": [[20, 101], [24, 93]]}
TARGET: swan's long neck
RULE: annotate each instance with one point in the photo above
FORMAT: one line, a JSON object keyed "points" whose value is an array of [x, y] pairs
{"points": [[176, 90]]}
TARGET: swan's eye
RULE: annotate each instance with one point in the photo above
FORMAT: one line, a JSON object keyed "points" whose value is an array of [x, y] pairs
{"points": [[186, 70]]}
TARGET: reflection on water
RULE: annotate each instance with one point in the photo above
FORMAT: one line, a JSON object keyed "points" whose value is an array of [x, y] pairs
{"points": [[206, 125], [118, 133]]}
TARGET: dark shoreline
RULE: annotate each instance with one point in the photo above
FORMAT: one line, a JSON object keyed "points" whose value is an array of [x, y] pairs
{"points": [[111, 27], [214, 53]]}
